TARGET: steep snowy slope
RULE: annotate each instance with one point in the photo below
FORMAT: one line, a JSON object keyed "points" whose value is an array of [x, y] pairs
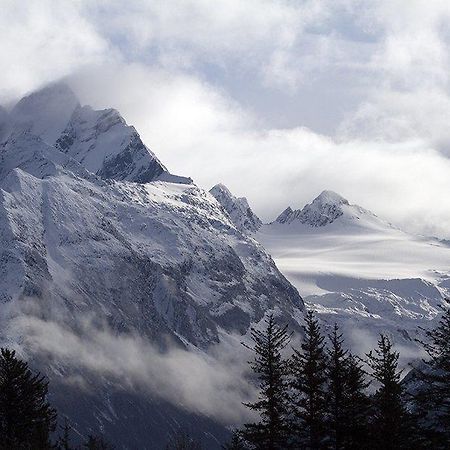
{"points": [[237, 209], [359, 270], [101, 141], [83, 239], [118, 152], [184, 267]]}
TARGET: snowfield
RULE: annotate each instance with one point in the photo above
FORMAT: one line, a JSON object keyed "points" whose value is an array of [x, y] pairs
{"points": [[360, 271]]}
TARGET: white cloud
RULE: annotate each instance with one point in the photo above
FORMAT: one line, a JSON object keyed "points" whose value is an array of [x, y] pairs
{"points": [[192, 76], [197, 131], [422, 113], [43, 41], [409, 93], [213, 384]]}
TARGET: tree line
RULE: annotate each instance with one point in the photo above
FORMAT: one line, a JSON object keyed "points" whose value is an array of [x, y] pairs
{"points": [[324, 397], [321, 396]]}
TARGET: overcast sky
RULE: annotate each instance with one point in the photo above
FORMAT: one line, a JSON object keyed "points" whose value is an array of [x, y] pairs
{"points": [[279, 100]]}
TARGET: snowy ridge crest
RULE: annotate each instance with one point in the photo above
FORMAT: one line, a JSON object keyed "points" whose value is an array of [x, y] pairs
{"points": [[238, 209], [101, 141], [323, 210]]}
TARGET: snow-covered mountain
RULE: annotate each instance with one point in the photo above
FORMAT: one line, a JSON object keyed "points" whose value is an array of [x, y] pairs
{"points": [[101, 141], [237, 209], [360, 271], [104, 251], [92, 225], [327, 208]]}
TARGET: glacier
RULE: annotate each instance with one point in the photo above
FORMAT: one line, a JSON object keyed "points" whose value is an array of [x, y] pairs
{"points": [[360, 271]]}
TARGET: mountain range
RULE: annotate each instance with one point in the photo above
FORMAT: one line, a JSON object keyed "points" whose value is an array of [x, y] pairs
{"points": [[117, 275], [94, 229], [356, 269]]}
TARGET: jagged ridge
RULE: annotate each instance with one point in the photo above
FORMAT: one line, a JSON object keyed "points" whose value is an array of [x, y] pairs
{"points": [[324, 210], [237, 209], [101, 141]]}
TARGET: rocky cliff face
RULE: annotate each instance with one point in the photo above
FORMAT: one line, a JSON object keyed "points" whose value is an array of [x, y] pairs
{"points": [[237, 209], [157, 257]]}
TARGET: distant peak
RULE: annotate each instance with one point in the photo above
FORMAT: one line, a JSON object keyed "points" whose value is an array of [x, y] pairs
{"points": [[324, 209], [220, 188], [330, 198], [283, 217], [237, 209], [101, 141], [222, 194], [45, 112], [59, 89]]}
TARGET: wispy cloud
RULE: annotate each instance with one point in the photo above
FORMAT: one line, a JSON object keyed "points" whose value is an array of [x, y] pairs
{"points": [[213, 384]]}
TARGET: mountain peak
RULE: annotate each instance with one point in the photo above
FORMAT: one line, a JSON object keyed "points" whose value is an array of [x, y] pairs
{"points": [[237, 208], [106, 146], [99, 140], [56, 89], [45, 112], [330, 198], [222, 189], [284, 216], [323, 210]]}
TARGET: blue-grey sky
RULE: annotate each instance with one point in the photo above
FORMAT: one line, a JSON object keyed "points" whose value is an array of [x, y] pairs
{"points": [[277, 99]]}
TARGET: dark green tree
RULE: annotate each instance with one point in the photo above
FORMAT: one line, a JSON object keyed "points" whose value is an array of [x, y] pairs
{"points": [[347, 401], [390, 420], [432, 397], [271, 368], [337, 390], [236, 443], [26, 417], [356, 405], [95, 442], [309, 388]]}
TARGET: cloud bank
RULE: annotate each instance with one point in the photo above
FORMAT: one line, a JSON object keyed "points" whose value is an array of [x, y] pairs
{"points": [[213, 384], [277, 99]]}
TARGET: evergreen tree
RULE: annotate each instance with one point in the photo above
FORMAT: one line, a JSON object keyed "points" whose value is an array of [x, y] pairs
{"points": [[64, 440], [236, 443], [347, 402], [390, 421], [356, 406], [308, 368], [432, 399], [26, 417], [271, 432], [336, 373]]}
